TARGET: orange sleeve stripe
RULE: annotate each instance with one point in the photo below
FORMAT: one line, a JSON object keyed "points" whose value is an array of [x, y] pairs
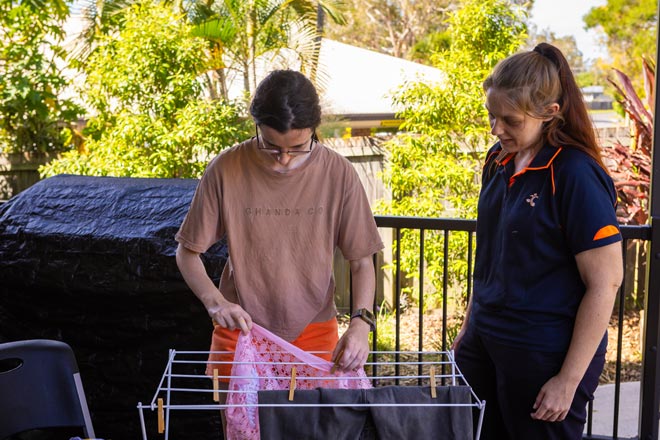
{"points": [[606, 231]]}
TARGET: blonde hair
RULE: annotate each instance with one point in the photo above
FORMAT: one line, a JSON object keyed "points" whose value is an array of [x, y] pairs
{"points": [[532, 82]]}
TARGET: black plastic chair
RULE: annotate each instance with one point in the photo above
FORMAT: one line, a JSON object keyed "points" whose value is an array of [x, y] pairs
{"points": [[40, 388]]}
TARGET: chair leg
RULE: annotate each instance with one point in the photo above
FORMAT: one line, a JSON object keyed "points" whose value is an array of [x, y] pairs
{"points": [[89, 429]]}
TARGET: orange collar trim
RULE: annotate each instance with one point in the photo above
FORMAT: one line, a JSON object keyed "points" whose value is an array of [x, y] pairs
{"points": [[542, 167]]}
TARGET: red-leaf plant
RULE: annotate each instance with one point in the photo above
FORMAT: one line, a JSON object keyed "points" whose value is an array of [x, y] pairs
{"points": [[630, 165]]}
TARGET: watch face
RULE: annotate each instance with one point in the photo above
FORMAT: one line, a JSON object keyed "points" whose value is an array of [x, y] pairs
{"points": [[365, 315]]}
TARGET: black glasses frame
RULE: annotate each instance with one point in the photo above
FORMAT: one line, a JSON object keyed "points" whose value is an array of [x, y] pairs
{"points": [[261, 144]]}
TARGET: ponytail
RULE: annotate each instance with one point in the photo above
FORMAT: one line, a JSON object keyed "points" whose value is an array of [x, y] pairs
{"points": [[574, 128]]}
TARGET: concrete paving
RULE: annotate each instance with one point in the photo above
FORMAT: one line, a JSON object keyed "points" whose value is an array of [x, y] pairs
{"points": [[603, 415]]}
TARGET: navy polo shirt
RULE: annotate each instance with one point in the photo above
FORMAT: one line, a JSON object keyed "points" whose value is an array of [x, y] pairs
{"points": [[530, 226]]}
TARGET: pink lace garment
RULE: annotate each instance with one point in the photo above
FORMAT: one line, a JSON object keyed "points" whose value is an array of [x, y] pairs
{"points": [[263, 361]]}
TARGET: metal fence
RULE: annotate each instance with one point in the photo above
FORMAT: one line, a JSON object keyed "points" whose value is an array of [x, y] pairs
{"points": [[466, 229], [648, 414]]}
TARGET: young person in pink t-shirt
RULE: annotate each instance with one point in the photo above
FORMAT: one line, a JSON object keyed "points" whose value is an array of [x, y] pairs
{"points": [[285, 202]]}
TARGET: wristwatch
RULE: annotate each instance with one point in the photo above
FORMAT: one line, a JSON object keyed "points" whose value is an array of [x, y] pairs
{"points": [[367, 316]]}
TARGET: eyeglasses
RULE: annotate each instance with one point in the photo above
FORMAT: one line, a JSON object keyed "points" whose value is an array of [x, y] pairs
{"points": [[267, 147]]}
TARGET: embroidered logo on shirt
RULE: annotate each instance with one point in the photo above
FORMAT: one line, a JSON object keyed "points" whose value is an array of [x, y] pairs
{"points": [[531, 199]]}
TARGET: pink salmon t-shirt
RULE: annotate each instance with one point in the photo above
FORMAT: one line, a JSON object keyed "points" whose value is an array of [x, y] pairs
{"points": [[282, 231]]}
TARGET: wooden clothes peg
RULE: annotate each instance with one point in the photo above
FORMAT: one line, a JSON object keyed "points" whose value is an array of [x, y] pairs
{"points": [[216, 386], [292, 384], [336, 364], [432, 375], [161, 417]]}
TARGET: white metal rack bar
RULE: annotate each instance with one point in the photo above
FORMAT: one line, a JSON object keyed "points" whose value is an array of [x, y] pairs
{"points": [[181, 359]]}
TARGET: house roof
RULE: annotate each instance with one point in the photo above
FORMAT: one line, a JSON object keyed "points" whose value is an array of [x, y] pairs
{"points": [[353, 83], [360, 81]]}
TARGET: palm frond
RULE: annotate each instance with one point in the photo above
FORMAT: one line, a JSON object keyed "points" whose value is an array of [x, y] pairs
{"points": [[98, 17], [335, 9], [220, 29]]}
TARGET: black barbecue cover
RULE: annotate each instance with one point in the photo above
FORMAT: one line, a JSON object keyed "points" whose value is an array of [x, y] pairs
{"points": [[91, 261]]}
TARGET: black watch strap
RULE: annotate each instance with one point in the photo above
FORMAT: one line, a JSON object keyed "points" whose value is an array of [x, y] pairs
{"points": [[367, 316]]}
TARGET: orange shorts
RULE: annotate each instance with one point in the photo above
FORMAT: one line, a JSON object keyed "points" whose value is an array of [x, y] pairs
{"points": [[317, 336]]}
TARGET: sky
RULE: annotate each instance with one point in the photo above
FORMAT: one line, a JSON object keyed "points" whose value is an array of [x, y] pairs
{"points": [[564, 17]]}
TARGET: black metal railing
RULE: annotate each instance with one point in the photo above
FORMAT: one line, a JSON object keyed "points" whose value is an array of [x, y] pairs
{"points": [[467, 228]]}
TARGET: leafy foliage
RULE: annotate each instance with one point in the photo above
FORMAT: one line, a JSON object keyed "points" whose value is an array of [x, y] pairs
{"points": [[401, 28], [150, 120], [236, 34], [566, 44], [630, 165], [630, 29], [239, 33], [33, 116], [139, 146], [432, 169], [150, 66]]}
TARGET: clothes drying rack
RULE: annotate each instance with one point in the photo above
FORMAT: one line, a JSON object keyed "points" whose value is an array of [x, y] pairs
{"points": [[184, 376]]}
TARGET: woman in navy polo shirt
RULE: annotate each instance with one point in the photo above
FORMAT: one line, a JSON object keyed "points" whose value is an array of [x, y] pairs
{"points": [[549, 258]]}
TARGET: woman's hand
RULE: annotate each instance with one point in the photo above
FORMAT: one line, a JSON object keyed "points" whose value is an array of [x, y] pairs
{"points": [[554, 400], [231, 316], [352, 349], [221, 311]]}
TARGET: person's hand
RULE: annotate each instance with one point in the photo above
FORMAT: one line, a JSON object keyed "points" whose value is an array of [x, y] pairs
{"points": [[231, 316], [554, 400], [352, 349]]}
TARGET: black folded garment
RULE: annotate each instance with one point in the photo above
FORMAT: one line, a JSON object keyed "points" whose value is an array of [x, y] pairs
{"points": [[290, 421]]}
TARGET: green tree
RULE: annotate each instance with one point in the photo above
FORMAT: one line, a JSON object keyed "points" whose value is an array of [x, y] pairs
{"points": [[33, 115], [566, 44], [240, 33], [150, 121], [401, 28], [630, 30], [585, 74], [237, 32], [98, 17], [432, 169]]}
